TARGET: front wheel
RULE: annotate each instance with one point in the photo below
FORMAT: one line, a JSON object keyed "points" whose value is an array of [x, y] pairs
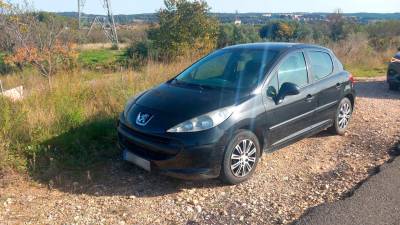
{"points": [[342, 117], [240, 158]]}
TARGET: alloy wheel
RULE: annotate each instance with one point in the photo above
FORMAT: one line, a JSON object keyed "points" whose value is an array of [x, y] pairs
{"points": [[344, 115], [243, 158]]}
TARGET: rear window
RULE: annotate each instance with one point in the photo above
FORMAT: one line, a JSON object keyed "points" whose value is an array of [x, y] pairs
{"points": [[321, 64]]}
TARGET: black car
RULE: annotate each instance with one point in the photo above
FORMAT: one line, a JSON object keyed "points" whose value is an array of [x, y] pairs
{"points": [[393, 74], [218, 116]]}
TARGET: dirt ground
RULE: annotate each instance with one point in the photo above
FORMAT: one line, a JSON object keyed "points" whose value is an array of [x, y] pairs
{"points": [[287, 182]]}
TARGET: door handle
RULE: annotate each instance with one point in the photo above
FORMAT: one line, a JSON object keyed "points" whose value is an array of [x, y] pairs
{"points": [[309, 98]]}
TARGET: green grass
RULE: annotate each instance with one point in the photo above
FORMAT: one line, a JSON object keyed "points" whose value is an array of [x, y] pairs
{"points": [[100, 58], [363, 71]]}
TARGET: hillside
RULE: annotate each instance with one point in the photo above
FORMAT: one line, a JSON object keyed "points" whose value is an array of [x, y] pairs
{"points": [[249, 18]]}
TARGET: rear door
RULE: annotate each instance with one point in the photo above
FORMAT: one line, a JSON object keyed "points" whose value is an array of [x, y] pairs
{"points": [[326, 81], [295, 114]]}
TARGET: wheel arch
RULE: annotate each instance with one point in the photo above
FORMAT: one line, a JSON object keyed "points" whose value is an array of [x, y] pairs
{"points": [[351, 98], [259, 134]]}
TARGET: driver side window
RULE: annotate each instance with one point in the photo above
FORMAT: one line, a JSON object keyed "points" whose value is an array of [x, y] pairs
{"points": [[293, 70]]}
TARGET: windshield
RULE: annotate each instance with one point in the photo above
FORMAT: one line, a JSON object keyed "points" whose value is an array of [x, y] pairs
{"points": [[229, 68]]}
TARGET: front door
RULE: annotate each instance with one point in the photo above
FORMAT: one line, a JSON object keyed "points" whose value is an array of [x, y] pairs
{"points": [[295, 114]]}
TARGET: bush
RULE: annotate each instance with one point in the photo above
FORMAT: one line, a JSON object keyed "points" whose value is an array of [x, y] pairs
{"points": [[185, 27], [281, 30], [230, 34], [4, 67], [139, 53]]}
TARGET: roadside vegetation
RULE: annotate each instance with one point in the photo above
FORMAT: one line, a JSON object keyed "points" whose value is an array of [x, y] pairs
{"points": [[74, 92]]}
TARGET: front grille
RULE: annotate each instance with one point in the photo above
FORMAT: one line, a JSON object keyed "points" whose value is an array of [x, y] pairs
{"points": [[143, 136], [144, 152]]}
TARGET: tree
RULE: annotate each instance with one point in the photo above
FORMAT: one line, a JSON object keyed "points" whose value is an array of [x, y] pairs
{"points": [[184, 26], [37, 39], [337, 25], [285, 31], [230, 34]]}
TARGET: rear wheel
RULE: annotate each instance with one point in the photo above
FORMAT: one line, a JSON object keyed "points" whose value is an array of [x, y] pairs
{"points": [[241, 158], [393, 87], [342, 117]]}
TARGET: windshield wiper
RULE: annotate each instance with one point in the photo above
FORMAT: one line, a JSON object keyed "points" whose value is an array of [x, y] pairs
{"points": [[197, 85]]}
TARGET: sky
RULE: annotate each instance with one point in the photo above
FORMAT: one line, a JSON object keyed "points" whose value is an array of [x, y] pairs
{"points": [[149, 6]]}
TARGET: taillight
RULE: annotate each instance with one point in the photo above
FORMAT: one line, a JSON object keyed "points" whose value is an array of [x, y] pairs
{"points": [[395, 60], [351, 78]]}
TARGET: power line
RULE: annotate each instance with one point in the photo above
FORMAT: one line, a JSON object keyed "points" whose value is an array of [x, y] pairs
{"points": [[107, 23]]}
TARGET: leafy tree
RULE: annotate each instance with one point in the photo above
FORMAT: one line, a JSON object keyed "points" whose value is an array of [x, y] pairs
{"points": [[184, 26], [340, 27], [36, 40], [230, 34], [285, 31]]}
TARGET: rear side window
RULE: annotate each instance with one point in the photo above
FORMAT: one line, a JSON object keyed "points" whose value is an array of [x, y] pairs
{"points": [[293, 70], [321, 64]]}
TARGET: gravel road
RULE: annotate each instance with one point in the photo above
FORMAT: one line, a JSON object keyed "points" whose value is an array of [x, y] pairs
{"points": [[323, 168]]}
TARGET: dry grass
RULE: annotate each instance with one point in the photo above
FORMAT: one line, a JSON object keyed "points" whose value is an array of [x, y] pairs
{"points": [[73, 124], [359, 57]]}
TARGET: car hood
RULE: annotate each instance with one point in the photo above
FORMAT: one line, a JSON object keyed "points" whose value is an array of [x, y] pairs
{"points": [[169, 105]]}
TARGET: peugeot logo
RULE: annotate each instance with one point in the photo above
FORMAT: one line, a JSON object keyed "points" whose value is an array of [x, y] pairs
{"points": [[143, 119]]}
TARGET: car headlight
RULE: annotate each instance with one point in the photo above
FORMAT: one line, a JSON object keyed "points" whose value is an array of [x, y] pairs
{"points": [[203, 122]]}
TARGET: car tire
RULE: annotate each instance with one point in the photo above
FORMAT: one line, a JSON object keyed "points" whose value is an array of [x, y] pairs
{"points": [[236, 162], [393, 87], [342, 117]]}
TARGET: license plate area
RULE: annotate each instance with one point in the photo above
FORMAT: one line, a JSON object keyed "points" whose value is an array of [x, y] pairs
{"points": [[138, 161]]}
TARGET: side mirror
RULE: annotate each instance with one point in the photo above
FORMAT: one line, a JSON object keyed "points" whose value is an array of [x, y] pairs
{"points": [[286, 90]]}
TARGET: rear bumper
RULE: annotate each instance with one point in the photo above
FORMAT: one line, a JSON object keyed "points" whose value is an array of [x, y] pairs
{"points": [[186, 156]]}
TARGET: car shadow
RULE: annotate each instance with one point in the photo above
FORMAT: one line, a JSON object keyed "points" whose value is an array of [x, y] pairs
{"points": [[377, 89], [86, 160]]}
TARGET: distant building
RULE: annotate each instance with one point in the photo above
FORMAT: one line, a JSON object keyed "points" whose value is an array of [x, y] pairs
{"points": [[267, 15], [238, 22]]}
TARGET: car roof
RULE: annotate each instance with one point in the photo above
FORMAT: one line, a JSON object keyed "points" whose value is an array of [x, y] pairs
{"points": [[277, 46]]}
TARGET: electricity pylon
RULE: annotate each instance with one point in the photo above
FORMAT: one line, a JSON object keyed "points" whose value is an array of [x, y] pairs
{"points": [[107, 23]]}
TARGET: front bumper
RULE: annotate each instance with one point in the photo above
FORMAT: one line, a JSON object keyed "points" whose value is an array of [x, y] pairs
{"points": [[187, 155], [393, 74]]}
